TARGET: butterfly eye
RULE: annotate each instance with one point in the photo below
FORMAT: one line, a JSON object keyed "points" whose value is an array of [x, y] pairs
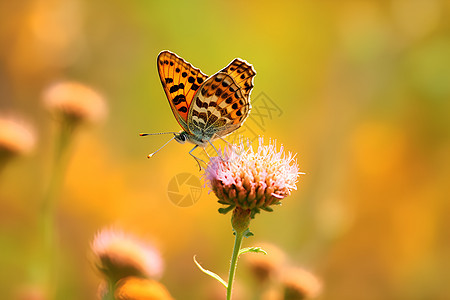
{"points": [[181, 138]]}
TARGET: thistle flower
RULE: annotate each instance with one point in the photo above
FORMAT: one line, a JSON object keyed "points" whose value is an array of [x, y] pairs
{"points": [[74, 102], [251, 180], [120, 255], [16, 138], [300, 284], [133, 288]]}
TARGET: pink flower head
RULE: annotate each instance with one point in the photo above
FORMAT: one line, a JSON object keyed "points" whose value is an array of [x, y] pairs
{"points": [[252, 180], [120, 255]]}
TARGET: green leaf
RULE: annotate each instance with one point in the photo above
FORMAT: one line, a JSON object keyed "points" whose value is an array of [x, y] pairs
{"points": [[225, 210], [269, 209], [212, 274], [252, 249], [248, 233]]}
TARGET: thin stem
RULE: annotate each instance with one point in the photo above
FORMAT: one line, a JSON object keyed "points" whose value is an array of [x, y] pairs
{"points": [[237, 246], [48, 208]]}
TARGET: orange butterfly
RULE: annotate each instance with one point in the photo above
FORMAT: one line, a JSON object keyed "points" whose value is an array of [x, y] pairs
{"points": [[206, 108]]}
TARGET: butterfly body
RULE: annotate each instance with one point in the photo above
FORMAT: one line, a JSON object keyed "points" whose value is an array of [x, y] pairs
{"points": [[206, 108]]}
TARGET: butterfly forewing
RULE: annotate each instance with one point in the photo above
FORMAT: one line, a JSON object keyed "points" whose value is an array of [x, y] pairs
{"points": [[218, 108], [242, 73], [180, 81]]}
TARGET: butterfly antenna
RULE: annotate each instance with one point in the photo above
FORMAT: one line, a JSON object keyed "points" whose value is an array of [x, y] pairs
{"points": [[151, 154], [159, 133]]}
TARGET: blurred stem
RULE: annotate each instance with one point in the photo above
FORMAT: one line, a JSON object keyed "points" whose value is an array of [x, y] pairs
{"points": [[111, 291], [240, 222], [48, 233]]}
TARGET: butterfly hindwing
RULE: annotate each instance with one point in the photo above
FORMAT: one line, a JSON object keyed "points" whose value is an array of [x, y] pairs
{"points": [[218, 108], [180, 81]]}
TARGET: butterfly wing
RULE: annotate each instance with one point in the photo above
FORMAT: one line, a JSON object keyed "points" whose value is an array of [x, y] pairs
{"points": [[180, 81], [219, 107], [242, 73]]}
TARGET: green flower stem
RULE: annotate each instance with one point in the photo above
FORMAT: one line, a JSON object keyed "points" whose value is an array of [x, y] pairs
{"points": [[237, 246], [48, 208], [240, 222]]}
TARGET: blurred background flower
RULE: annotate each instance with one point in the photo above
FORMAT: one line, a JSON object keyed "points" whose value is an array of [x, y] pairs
{"points": [[300, 284], [127, 264], [132, 288], [16, 138], [119, 255], [74, 101], [359, 89]]}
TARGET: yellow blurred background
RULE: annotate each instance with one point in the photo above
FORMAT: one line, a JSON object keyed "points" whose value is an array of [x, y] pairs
{"points": [[362, 94]]}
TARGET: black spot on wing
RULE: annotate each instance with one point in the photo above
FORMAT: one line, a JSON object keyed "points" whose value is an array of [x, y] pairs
{"points": [[178, 99], [203, 116], [194, 87], [183, 109], [176, 87], [200, 104], [173, 89], [212, 119]]}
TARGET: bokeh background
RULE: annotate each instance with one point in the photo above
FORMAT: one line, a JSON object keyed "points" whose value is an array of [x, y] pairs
{"points": [[362, 90]]}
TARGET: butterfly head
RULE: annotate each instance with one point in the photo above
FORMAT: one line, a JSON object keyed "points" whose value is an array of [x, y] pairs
{"points": [[184, 136], [181, 137]]}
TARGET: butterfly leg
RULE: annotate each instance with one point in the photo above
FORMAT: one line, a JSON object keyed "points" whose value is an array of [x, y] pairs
{"points": [[218, 153], [227, 142], [198, 160]]}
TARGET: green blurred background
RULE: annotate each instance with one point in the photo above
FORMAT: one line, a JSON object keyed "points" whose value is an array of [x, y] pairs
{"points": [[363, 92]]}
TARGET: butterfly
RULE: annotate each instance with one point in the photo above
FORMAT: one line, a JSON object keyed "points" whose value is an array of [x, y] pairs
{"points": [[207, 108]]}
